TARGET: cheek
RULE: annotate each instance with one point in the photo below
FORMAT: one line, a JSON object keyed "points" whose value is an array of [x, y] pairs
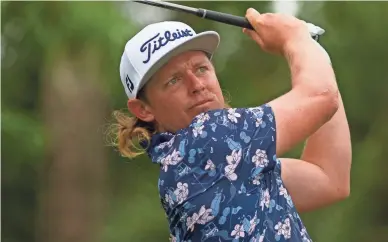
{"points": [[170, 106], [215, 88]]}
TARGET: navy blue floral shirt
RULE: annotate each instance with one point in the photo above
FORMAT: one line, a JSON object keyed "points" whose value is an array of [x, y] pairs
{"points": [[220, 179]]}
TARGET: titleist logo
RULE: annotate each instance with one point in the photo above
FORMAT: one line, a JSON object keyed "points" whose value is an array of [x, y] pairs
{"points": [[163, 40]]}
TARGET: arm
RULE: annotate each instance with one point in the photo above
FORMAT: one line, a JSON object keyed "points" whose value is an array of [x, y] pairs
{"points": [[312, 102], [322, 176], [324, 179], [313, 99]]}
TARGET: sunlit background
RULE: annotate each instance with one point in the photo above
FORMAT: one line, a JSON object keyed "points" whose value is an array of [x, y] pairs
{"points": [[60, 83]]}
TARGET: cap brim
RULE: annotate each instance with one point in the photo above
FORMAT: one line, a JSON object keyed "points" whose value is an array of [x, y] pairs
{"points": [[207, 41]]}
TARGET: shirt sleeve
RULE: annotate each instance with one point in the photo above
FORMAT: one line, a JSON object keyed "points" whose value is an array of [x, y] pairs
{"points": [[257, 133]]}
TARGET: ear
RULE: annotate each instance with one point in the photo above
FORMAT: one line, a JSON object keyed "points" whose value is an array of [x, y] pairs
{"points": [[140, 109]]}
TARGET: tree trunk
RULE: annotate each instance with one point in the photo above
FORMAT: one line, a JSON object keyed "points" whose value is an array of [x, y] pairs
{"points": [[73, 187]]}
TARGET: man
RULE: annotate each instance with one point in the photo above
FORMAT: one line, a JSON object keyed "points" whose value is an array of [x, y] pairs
{"points": [[222, 177]]}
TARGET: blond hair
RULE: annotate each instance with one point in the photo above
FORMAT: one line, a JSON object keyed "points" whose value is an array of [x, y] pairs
{"points": [[129, 133]]}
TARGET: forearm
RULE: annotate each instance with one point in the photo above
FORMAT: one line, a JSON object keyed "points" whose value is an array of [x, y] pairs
{"points": [[330, 149], [310, 68], [313, 99]]}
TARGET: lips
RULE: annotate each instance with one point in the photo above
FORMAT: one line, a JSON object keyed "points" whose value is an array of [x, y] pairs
{"points": [[201, 103]]}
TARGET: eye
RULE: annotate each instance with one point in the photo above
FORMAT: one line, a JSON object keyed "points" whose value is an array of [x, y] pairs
{"points": [[202, 69], [172, 81]]}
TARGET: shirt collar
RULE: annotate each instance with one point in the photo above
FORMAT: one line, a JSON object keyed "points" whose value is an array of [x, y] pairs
{"points": [[152, 147]]}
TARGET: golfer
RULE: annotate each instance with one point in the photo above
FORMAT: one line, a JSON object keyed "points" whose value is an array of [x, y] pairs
{"points": [[223, 176]]}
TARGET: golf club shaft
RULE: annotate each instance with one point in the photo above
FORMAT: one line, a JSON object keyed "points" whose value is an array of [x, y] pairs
{"points": [[203, 13], [206, 14]]}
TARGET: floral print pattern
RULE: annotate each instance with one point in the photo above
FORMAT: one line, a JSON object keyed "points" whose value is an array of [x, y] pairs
{"points": [[220, 179]]}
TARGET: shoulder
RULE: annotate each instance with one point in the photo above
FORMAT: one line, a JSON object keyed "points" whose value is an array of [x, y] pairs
{"points": [[234, 115], [247, 118], [229, 126]]}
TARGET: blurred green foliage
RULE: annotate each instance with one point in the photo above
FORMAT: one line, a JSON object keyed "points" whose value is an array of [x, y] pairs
{"points": [[35, 33]]}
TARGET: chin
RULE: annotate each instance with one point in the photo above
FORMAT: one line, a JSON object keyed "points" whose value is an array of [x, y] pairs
{"points": [[204, 109]]}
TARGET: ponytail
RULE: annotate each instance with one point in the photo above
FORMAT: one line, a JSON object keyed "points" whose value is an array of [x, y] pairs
{"points": [[129, 133]]}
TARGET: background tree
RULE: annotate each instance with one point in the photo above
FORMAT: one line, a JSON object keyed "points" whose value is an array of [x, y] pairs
{"points": [[60, 83]]}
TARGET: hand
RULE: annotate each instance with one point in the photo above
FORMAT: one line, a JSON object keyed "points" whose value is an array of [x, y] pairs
{"points": [[276, 33]]}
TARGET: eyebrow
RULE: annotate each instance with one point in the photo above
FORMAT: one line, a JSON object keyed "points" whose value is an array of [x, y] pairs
{"points": [[200, 62], [195, 63]]}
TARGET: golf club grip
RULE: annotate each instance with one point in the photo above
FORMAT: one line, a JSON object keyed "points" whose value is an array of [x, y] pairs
{"points": [[225, 18]]}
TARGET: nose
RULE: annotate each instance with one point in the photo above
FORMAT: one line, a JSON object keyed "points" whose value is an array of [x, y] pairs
{"points": [[196, 85]]}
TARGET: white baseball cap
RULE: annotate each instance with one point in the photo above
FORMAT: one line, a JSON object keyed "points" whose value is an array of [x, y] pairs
{"points": [[154, 46]]}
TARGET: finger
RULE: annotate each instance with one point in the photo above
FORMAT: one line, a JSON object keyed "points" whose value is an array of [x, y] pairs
{"points": [[252, 34], [254, 17], [252, 12]]}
